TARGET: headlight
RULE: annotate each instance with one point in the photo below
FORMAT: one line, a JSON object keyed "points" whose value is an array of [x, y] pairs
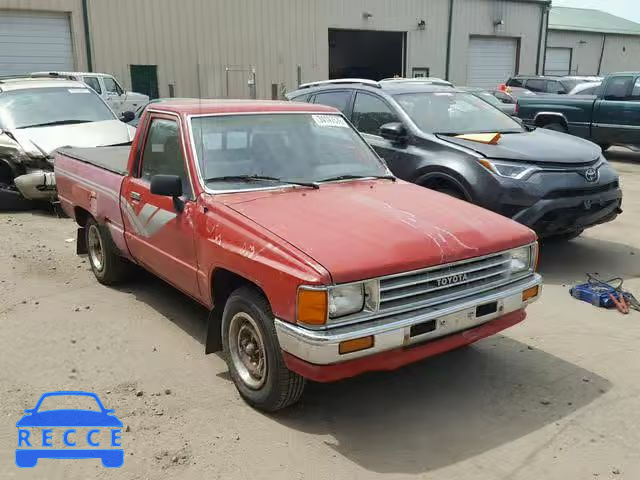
{"points": [[523, 259], [346, 299], [508, 170]]}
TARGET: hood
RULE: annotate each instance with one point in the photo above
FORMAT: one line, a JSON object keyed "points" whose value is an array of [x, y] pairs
{"points": [[137, 97], [91, 134], [69, 418], [364, 229], [536, 146]]}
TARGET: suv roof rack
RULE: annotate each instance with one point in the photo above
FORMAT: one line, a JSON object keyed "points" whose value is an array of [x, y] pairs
{"points": [[338, 81], [416, 80]]}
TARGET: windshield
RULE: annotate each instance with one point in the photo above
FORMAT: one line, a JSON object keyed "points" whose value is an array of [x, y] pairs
{"points": [[489, 98], [66, 402], [294, 147], [455, 113], [51, 106]]}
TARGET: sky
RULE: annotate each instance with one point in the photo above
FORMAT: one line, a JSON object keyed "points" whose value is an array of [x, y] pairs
{"points": [[629, 9]]}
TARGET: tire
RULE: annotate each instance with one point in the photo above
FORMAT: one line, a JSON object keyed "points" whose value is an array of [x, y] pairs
{"points": [[558, 127], [107, 265], [563, 237], [452, 192], [259, 374]]}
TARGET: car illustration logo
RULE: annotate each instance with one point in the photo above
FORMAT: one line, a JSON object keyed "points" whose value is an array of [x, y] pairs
{"points": [[69, 433], [451, 280], [591, 174]]}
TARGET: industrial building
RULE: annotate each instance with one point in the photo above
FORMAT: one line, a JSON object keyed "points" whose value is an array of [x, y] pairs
{"points": [[219, 48], [590, 42]]}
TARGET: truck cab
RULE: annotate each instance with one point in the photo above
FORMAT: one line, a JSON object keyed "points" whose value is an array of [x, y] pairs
{"points": [[315, 261]]}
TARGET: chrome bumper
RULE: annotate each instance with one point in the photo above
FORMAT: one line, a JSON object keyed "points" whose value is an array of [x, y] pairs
{"points": [[320, 347]]}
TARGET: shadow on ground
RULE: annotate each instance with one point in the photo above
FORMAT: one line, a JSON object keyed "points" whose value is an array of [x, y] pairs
{"points": [[444, 410], [565, 263]]}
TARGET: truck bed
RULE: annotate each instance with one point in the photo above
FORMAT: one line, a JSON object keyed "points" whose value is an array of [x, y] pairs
{"points": [[114, 159]]}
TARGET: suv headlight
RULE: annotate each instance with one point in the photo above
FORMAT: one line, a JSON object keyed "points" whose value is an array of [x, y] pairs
{"points": [[322, 305], [506, 169], [523, 259]]}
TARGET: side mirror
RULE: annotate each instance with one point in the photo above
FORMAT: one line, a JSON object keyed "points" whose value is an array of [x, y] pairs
{"points": [[168, 186], [28, 410], [127, 116], [394, 132]]}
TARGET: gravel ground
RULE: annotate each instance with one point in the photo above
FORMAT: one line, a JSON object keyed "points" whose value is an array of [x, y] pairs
{"points": [[556, 397]]}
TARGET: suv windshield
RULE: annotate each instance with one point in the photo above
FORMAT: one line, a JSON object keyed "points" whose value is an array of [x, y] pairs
{"points": [[455, 113], [51, 106], [235, 151]]}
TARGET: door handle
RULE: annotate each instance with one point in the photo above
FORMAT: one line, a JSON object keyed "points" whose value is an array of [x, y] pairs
{"points": [[135, 196]]}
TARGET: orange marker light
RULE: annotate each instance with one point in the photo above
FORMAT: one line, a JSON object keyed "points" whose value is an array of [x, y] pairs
{"points": [[530, 293], [355, 345], [312, 306]]}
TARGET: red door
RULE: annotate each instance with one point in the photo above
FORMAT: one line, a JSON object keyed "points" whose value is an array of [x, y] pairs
{"points": [[159, 236]]}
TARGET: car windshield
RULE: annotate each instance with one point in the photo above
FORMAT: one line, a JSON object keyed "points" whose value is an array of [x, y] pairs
{"points": [[69, 402], [234, 151], [489, 98], [51, 106], [455, 113]]}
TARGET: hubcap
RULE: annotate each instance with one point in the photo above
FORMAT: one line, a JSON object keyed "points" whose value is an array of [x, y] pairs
{"points": [[96, 255], [246, 349]]}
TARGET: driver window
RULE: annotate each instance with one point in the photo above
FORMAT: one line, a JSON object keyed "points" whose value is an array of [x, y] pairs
{"points": [[370, 113], [163, 153], [111, 86], [617, 88]]}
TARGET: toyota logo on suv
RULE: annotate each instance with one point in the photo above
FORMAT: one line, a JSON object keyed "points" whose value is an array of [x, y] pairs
{"points": [[591, 175]]}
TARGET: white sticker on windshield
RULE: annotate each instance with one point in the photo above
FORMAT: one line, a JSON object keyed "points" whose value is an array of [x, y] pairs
{"points": [[329, 121], [157, 147], [78, 90]]}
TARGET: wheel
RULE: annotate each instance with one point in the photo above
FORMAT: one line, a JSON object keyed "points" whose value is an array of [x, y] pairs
{"points": [[26, 459], [112, 459], [452, 192], [253, 354], [108, 267], [564, 237], [558, 127]]}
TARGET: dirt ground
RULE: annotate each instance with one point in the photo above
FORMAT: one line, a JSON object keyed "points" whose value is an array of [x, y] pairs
{"points": [[557, 397]]}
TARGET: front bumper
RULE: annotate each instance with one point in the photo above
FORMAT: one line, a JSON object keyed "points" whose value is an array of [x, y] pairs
{"points": [[320, 348]]}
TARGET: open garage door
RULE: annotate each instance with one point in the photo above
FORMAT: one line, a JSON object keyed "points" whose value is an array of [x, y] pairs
{"points": [[366, 54], [557, 61], [491, 61], [34, 41]]}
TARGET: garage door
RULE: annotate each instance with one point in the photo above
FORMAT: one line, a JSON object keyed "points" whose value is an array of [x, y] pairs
{"points": [[491, 61], [557, 61], [32, 41]]}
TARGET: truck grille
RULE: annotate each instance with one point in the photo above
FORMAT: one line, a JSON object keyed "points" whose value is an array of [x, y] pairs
{"points": [[444, 283]]}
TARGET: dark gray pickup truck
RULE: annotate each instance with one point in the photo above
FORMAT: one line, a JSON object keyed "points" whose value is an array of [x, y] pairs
{"points": [[610, 117]]}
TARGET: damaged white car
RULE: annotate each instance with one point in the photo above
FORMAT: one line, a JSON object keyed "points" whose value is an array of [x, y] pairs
{"points": [[38, 116]]}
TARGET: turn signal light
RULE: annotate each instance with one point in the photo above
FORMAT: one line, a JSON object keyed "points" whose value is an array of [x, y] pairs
{"points": [[530, 293], [355, 345], [312, 306]]}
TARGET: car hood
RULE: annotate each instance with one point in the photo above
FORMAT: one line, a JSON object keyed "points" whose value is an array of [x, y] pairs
{"points": [[364, 229], [536, 146], [90, 134], [69, 418], [138, 97]]}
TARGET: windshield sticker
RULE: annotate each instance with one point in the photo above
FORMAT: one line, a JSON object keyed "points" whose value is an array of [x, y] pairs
{"points": [[78, 90], [329, 121], [157, 148]]}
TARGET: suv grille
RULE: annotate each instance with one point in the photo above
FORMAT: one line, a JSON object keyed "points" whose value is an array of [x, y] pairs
{"points": [[444, 283], [578, 192]]}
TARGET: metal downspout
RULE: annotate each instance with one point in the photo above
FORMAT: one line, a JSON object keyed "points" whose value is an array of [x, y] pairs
{"points": [[87, 34], [446, 75]]}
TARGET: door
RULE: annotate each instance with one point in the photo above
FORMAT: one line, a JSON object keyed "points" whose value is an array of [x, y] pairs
{"points": [[144, 79], [616, 117], [114, 94], [491, 61], [370, 112], [159, 236], [34, 41], [557, 61]]}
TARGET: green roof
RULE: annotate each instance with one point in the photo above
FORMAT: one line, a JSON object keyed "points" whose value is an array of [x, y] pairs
{"points": [[587, 20]]}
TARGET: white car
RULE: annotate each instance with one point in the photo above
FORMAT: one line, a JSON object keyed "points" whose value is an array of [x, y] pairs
{"points": [[588, 88], [107, 87]]}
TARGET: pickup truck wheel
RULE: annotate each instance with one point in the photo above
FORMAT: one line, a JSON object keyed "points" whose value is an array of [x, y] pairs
{"points": [[558, 127], [108, 267], [253, 354]]}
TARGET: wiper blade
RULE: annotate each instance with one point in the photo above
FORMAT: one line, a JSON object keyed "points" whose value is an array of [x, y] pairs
{"points": [[58, 122], [354, 177], [258, 178]]}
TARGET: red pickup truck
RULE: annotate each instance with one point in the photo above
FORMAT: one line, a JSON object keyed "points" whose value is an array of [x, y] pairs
{"points": [[316, 263]]}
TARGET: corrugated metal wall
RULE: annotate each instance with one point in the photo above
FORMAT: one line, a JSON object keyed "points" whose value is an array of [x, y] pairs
{"points": [[621, 53], [72, 7], [479, 17]]}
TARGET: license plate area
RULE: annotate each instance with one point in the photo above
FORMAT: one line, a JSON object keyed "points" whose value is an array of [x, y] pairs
{"points": [[486, 309]]}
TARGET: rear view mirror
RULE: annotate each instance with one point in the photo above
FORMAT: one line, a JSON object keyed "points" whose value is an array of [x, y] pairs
{"points": [[394, 132], [127, 116]]}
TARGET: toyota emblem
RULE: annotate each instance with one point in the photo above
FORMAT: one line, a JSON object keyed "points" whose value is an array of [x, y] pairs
{"points": [[591, 175]]}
